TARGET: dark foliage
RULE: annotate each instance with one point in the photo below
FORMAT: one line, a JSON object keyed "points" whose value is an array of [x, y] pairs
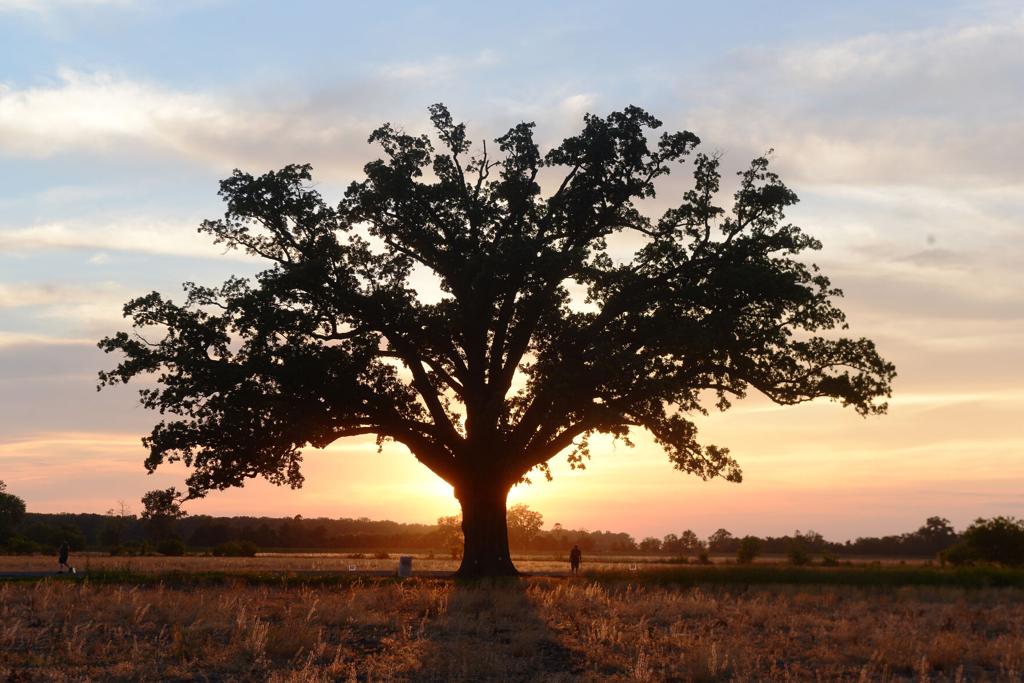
{"points": [[999, 540], [161, 511], [12, 511], [42, 533], [173, 547], [236, 549], [749, 549]]}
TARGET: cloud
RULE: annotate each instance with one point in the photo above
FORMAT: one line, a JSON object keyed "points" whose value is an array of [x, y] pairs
{"points": [[98, 111], [143, 235], [932, 107], [20, 339], [437, 68], [40, 6], [106, 114], [49, 385], [903, 146], [16, 295]]}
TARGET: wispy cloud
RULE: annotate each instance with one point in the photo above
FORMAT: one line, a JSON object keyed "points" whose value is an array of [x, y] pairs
{"points": [[21, 339], [39, 6], [102, 113], [927, 107], [437, 68], [144, 235], [43, 294]]}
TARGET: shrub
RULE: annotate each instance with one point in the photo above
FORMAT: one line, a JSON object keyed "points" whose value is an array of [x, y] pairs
{"points": [[703, 558], [957, 555], [236, 549], [132, 548], [382, 555], [1000, 540], [750, 547], [16, 545], [798, 554], [829, 561], [171, 546]]}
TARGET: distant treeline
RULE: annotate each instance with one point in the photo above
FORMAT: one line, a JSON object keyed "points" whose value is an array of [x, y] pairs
{"points": [[936, 535], [43, 532]]}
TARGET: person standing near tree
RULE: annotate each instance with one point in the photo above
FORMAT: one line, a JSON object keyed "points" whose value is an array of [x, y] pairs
{"points": [[575, 557], [62, 558]]}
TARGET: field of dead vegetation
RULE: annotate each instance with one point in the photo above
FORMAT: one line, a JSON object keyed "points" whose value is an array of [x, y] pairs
{"points": [[535, 629]]}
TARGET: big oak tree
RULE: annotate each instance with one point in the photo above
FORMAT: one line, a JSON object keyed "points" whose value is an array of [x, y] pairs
{"points": [[541, 335]]}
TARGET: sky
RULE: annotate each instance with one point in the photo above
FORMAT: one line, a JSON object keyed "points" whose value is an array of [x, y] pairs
{"points": [[897, 124]]}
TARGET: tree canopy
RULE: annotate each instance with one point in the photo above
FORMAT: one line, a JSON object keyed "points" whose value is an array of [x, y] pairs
{"points": [[160, 509], [543, 331], [12, 511]]}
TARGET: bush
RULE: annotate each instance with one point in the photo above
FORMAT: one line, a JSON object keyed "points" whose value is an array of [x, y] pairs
{"points": [[16, 545], [235, 549], [829, 561], [381, 556], [133, 548], [798, 555], [958, 555], [703, 558], [247, 548], [750, 547], [171, 546], [999, 540]]}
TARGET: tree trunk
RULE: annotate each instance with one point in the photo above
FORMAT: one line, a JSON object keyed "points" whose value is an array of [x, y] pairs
{"points": [[485, 529]]}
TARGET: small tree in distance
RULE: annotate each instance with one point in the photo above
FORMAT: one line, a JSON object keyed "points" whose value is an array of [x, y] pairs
{"points": [[524, 525], [450, 532], [690, 542], [506, 368], [749, 549], [160, 510], [722, 541], [650, 545]]}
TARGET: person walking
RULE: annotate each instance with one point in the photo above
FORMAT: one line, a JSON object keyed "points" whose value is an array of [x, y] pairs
{"points": [[62, 558], [575, 557]]}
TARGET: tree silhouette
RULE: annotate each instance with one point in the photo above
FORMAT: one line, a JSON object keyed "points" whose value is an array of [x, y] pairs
{"points": [[524, 525], [722, 541], [999, 539], [12, 511], [509, 364], [690, 542], [160, 510]]}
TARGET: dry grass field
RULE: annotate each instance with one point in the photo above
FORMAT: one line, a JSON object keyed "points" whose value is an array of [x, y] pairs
{"points": [[536, 629], [301, 562], [337, 562]]}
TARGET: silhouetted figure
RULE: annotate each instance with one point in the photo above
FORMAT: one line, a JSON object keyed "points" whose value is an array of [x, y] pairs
{"points": [[62, 558], [575, 556]]}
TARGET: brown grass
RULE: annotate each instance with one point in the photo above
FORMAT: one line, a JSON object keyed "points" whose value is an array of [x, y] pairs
{"points": [[342, 562], [534, 629], [300, 562]]}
